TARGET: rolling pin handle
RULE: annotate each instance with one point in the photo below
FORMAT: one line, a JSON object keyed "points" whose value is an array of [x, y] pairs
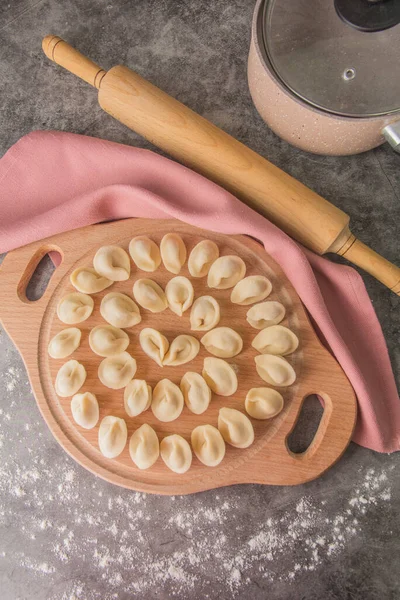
{"points": [[57, 50], [374, 264], [180, 132]]}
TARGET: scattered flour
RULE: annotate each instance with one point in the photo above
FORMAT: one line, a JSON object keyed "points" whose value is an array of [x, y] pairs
{"points": [[192, 542], [112, 535], [80, 525], [11, 377]]}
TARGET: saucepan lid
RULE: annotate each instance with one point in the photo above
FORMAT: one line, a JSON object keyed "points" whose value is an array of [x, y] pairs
{"points": [[342, 56]]}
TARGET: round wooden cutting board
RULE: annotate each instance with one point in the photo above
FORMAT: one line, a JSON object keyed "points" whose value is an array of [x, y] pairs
{"points": [[31, 325]]}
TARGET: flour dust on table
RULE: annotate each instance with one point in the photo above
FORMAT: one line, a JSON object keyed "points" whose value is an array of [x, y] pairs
{"points": [[216, 545], [219, 545], [212, 545]]}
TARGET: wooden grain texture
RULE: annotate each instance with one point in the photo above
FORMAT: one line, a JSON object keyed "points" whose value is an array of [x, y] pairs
{"points": [[71, 59], [372, 262], [196, 142], [199, 144], [32, 324]]}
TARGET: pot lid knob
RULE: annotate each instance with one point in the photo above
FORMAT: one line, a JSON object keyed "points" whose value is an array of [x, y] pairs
{"points": [[369, 15]]}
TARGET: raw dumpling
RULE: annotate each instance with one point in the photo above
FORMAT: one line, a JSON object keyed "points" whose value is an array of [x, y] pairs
{"points": [[208, 445], [112, 262], [88, 281], [276, 340], [263, 403], [154, 344], [137, 397], [176, 453], [85, 410], [225, 272], [220, 376], [251, 289], [115, 372], [183, 349], [75, 308], [70, 378], [167, 403], [205, 314], [179, 292], [173, 252], [145, 253], [235, 427], [65, 342], [144, 447], [119, 310], [196, 393], [265, 314], [223, 342], [106, 340], [150, 295], [112, 436], [202, 257], [275, 370]]}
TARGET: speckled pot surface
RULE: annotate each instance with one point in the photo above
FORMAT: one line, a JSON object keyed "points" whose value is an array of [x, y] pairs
{"points": [[302, 124]]}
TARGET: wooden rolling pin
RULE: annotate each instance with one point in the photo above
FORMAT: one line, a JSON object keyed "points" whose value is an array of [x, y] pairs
{"points": [[199, 144]]}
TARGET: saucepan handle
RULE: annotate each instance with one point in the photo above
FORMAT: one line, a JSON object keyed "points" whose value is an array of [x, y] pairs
{"points": [[391, 134]]}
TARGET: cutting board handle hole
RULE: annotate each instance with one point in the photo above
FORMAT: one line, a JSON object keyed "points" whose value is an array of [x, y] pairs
{"points": [[308, 420], [38, 273]]}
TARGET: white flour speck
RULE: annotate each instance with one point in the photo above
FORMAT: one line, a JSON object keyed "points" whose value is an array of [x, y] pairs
{"points": [[11, 377], [76, 521]]}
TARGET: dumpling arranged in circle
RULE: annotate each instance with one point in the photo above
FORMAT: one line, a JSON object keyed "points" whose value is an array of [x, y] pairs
{"points": [[276, 340], [107, 340], [220, 376], [167, 402], [85, 410], [150, 295], [202, 257], [137, 397], [120, 310], [173, 252], [179, 293], [65, 342], [251, 289], [265, 314], [145, 253], [75, 308], [88, 281], [196, 393], [70, 378], [183, 349], [223, 342], [208, 445], [113, 435], [115, 372], [275, 370], [144, 447], [205, 314], [113, 263], [176, 453], [154, 344], [263, 403], [225, 272], [235, 427]]}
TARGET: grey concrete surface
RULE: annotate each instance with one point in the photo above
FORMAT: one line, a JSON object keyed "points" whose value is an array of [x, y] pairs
{"points": [[66, 535]]}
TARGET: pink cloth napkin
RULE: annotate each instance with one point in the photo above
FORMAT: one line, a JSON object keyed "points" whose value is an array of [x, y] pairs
{"points": [[52, 182]]}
